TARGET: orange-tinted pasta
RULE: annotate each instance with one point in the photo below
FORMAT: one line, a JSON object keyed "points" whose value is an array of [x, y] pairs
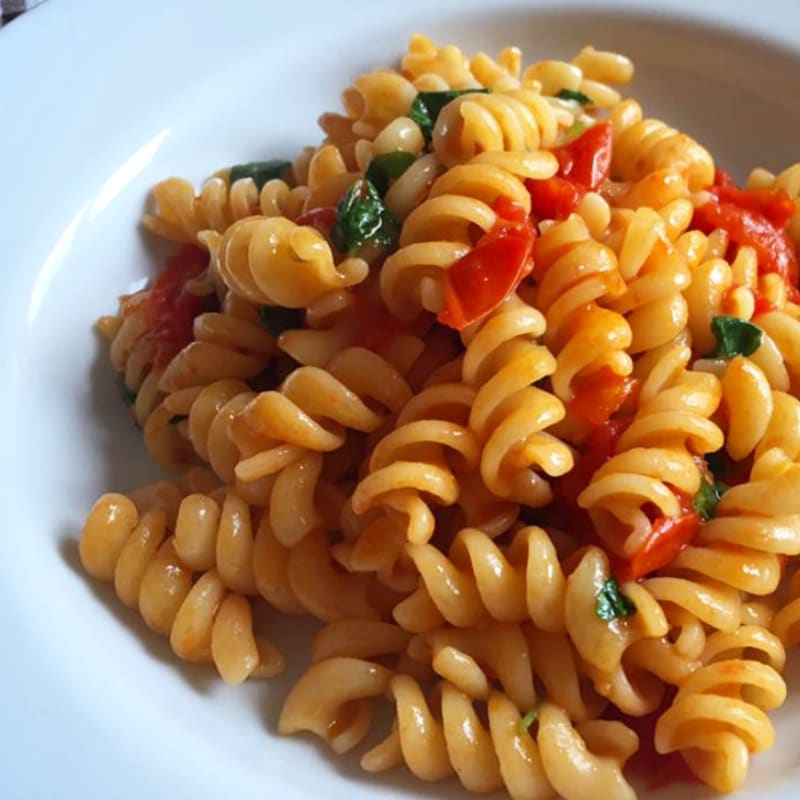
{"points": [[501, 383]]}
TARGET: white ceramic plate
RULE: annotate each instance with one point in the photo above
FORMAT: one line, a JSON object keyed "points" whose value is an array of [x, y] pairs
{"points": [[97, 102]]}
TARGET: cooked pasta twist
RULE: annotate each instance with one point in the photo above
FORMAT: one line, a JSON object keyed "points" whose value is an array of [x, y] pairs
{"points": [[437, 737], [478, 581], [181, 215], [205, 622], [655, 454], [511, 414], [643, 145], [517, 120], [573, 273], [439, 231], [789, 181], [272, 261], [717, 718]]}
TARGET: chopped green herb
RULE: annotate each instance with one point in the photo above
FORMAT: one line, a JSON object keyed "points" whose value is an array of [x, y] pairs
{"points": [[386, 166], [259, 171], [128, 395], [612, 604], [569, 94], [427, 105], [576, 129], [707, 497], [178, 418], [735, 337], [277, 319], [528, 720], [363, 218]]}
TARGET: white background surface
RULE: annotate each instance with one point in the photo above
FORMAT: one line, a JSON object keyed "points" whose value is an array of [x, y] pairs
{"points": [[97, 102]]}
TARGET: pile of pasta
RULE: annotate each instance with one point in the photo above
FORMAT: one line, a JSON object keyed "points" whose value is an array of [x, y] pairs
{"points": [[500, 383]]}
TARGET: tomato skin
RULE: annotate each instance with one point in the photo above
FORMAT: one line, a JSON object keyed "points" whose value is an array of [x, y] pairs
{"points": [[600, 395], [774, 204], [554, 198], [323, 219], [583, 164], [480, 280], [668, 536], [172, 308], [773, 247], [586, 160]]}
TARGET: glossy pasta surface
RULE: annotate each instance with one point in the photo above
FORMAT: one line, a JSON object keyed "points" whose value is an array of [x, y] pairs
{"points": [[500, 382]]}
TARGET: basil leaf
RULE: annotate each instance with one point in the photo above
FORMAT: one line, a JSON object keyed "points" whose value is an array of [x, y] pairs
{"points": [[528, 719], [386, 166], [427, 105], [362, 218], [735, 337], [128, 395], [612, 604], [277, 319], [259, 171], [707, 498], [569, 94]]}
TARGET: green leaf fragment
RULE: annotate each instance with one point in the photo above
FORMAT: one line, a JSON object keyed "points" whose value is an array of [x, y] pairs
{"points": [[386, 166], [362, 218], [259, 171], [612, 604], [569, 94], [277, 319], [735, 337], [707, 498], [528, 720], [427, 105]]}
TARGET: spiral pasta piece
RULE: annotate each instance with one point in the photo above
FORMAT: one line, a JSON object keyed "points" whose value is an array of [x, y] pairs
{"points": [[511, 414], [205, 622], [440, 230], [574, 273], [273, 261], [439, 737], [181, 215], [643, 146]]}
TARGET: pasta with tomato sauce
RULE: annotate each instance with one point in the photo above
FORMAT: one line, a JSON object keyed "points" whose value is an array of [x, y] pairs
{"points": [[501, 382]]}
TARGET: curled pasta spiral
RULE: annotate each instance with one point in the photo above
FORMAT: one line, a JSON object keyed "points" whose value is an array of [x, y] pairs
{"points": [[204, 620], [413, 460], [789, 181], [272, 261], [517, 120], [444, 734], [654, 455], [718, 718], [439, 231], [181, 215], [655, 273], [643, 146], [574, 272], [511, 414], [478, 581]]}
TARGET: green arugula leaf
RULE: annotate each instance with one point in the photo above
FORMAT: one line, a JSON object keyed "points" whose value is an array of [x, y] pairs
{"points": [[259, 171], [427, 105], [528, 720], [735, 337], [707, 498], [386, 166], [277, 319], [612, 604], [569, 94], [363, 218]]}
